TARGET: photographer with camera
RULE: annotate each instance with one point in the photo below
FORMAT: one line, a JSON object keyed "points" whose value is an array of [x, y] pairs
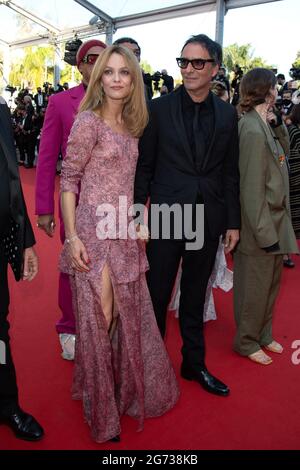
{"points": [[11, 89], [221, 77], [235, 84], [59, 88], [168, 80], [59, 118], [154, 82], [295, 75]]}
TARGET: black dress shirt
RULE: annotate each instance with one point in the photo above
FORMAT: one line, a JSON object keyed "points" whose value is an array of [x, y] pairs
{"points": [[198, 121]]}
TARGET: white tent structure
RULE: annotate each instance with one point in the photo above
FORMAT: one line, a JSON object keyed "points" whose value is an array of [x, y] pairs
{"points": [[57, 21]]}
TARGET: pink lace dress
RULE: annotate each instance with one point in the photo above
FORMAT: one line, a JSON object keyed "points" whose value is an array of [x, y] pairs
{"points": [[131, 373]]}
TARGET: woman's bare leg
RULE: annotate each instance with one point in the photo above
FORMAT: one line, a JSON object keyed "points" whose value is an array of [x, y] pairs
{"points": [[107, 297]]}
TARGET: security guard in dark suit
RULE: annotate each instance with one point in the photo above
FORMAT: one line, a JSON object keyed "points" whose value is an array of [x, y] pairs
{"points": [[16, 241]]}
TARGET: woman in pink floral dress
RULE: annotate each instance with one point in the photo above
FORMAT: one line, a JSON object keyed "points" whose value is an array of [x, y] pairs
{"points": [[121, 365]]}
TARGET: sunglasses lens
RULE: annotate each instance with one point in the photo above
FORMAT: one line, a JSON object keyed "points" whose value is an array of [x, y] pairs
{"points": [[198, 64], [182, 63], [91, 58]]}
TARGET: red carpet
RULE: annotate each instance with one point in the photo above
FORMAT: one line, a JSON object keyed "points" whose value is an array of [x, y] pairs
{"points": [[262, 412]]}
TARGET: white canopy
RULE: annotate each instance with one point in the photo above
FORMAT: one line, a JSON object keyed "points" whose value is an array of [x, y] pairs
{"points": [[56, 21]]}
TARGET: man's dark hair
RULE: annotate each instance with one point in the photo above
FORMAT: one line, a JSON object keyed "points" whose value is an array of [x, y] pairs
{"points": [[121, 41], [280, 76], [213, 48]]}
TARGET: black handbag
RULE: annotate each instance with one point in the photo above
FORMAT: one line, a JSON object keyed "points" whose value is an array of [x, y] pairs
{"points": [[11, 245]]}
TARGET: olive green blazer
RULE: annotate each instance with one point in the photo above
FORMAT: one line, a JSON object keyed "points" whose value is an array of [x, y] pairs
{"points": [[264, 188]]}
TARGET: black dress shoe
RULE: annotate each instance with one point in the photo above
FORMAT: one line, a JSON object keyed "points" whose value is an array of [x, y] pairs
{"points": [[115, 439], [23, 425], [205, 379]]}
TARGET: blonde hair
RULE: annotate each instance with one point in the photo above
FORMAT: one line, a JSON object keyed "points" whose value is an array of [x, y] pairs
{"points": [[135, 112]]}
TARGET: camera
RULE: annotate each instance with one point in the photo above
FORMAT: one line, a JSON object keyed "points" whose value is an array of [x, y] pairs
{"points": [[11, 89], [295, 73], [154, 79], [235, 84], [46, 86], [238, 71], [168, 81], [71, 49]]}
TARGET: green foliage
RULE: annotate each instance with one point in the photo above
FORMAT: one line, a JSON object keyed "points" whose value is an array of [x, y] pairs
{"points": [[34, 68], [243, 56], [36, 64], [1, 63], [296, 64], [146, 67], [67, 75]]}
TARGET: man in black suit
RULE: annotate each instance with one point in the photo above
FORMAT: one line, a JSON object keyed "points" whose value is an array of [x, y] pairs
{"points": [[16, 241], [189, 156], [39, 99]]}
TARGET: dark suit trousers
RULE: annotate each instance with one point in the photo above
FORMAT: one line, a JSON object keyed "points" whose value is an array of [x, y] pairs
{"points": [[164, 258], [8, 383]]}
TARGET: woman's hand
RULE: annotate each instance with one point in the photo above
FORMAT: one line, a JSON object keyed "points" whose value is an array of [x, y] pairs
{"points": [[78, 254], [142, 231], [271, 117]]}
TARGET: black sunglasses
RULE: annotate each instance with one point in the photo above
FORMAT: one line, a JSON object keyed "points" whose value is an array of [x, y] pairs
{"points": [[197, 64], [90, 59]]}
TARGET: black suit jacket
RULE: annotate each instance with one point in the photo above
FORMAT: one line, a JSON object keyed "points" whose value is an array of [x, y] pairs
{"points": [[18, 212], [166, 170], [36, 100]]}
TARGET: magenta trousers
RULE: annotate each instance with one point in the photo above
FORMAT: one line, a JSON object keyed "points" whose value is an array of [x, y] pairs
{"points": [[66, 324]]}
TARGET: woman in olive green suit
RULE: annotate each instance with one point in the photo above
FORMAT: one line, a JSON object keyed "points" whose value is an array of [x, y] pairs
{"points": [[267, 231]]}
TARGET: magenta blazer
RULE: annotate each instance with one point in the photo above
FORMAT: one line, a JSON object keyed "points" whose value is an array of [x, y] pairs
{"points": [[59, 118]]}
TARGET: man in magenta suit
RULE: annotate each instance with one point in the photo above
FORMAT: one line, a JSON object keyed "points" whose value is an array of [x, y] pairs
{"points": [[60, 115]]}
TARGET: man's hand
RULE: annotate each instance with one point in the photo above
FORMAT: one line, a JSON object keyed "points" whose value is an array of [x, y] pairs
{"points": [[31, 265], [47, 223], [231, 239]]}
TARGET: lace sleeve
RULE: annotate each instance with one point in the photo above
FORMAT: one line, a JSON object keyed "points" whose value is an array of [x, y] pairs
{"points": [[82, 140]]}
